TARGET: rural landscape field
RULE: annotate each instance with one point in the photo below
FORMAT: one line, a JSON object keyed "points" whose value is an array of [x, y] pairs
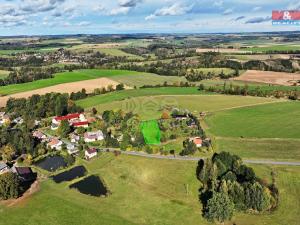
{"points": [[149, 112]]}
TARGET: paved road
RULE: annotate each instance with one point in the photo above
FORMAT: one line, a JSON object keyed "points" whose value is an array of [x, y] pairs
{"points": [[188, 158]]}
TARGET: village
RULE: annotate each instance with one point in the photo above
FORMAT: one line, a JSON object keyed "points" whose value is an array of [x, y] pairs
{"points": [[85, 135]]}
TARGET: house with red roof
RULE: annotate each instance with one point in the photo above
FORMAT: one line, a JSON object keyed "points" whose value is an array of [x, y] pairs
{"points": [[55, 144], [197, 141], [90, 153], [74, 119]]}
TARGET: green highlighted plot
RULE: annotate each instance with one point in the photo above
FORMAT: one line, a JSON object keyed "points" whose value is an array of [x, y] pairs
{"points": [[151, 132]]}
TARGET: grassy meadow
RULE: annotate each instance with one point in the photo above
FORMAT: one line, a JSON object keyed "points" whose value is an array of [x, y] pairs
{"points": [[143, 191], [280, 120], [151, 107], [147, 79], [64, 77]]}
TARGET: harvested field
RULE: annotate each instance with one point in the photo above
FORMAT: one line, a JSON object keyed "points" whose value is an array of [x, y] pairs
{"points": [[269, 77], [221, 50], [89, 86]]}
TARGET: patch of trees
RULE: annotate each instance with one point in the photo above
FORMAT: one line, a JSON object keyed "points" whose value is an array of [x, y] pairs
{"points": [[245, 90], [227, 185], [16, 61], [9, 186], [28, 74], [166, 84], [195, 75], [42, 106]]}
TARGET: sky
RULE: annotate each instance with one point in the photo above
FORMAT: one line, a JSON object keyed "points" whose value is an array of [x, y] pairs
{"points": [[49, 17]]}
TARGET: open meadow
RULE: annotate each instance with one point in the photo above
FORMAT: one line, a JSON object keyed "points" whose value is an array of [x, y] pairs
{"points": [[64, 77], [141, 188]]}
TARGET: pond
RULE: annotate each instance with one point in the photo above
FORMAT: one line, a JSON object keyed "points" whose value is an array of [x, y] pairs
{"points": [[76, 172], [91, 185], [52, 163]]}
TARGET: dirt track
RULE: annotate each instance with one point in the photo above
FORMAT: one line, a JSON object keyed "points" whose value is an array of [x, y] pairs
{"points": [[269, 77], [89, 86]]}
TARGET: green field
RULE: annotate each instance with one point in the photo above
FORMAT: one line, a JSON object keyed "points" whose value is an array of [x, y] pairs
{"points": [[260, 148], [144, 191], [280, 120], [215, 70], [151, 132], [274, 48], [147, 79], [126, 94], [65, 77], [152, 106]]}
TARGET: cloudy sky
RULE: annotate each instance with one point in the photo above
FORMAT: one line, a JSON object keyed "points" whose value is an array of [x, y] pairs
{"points": [[27, 17]]}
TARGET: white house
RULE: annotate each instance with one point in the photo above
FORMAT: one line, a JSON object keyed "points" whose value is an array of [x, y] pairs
{"points": [[55, 144], [74, 138], [93, 136], [39, 135], [90, 153], [72, 149]]}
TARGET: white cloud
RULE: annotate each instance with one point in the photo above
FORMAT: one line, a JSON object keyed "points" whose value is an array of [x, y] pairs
{"points": [[118, 11], [257, 8], [228, 12], [176, 9], [294, 5]]}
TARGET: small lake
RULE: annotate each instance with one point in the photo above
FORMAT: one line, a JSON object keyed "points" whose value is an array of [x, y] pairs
{"points": [[76, 172], [91, 185], [52, 163]]}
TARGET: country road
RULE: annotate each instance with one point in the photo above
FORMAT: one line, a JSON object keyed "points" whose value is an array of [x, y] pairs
{"points": [[183, 158]]}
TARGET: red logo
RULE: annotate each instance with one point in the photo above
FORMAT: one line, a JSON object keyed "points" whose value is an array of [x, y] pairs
{"points": [[286, 15]]}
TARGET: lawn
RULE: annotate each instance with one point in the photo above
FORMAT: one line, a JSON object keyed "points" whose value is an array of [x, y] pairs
{"points": [[215, 70], [64, 77], [280, 120], [144, 191], [151, 107]]}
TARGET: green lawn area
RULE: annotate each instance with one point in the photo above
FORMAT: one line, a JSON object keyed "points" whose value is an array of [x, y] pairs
{"points": [[65, 77], [118, 52], [257, 148], [144, 191], [280, 120], [151, 107], [147, 79]]}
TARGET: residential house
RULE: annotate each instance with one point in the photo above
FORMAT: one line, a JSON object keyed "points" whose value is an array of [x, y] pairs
{"points": [[197, 141], [93, 136], [74, 138], [72, 149], [90, 153], [25, 174], [55, 144], [39, 135], [4, 168]]}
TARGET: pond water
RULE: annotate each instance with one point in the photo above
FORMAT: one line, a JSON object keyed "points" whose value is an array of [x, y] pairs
{"points": [[91, 185], [52, 163], [76, 172]]}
